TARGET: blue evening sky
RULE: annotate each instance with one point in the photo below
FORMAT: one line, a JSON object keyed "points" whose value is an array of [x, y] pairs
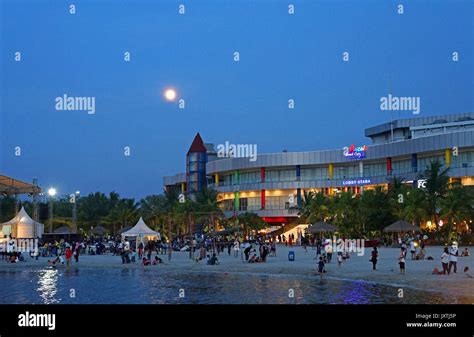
{"points": [[281, 57]]}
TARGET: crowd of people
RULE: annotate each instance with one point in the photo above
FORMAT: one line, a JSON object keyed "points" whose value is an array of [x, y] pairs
{"points": [[254, 249]]}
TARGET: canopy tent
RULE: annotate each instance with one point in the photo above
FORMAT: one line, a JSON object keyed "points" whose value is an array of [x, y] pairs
{"points": [[401, 226], [320, 227], [22, 226], [141, 232]]}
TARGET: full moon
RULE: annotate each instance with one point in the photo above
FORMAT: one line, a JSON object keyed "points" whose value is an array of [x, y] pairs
{"points": [[170, 94]]}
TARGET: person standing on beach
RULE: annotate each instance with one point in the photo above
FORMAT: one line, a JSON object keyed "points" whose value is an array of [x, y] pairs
{"points": [[401, 261], [68, 255], [374, 258], [77, 249], [321, 267], [236, 248], [453, 258], [445, 261], [339, 259], [328, 250], [140, 251], [412, 249]]}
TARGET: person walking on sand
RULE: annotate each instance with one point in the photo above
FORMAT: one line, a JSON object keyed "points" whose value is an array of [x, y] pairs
{"points": [[445, 261], [401, 261], [374, 258]]}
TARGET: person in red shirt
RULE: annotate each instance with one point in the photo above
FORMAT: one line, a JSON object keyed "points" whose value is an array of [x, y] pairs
{"points": [[68, 255]]}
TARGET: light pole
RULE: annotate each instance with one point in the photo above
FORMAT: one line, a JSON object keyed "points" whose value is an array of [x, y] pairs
{"points": [[73, 199], [51, 193]]}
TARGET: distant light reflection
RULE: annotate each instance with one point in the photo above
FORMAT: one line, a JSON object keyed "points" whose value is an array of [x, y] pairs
{"points": [[48, 285]]}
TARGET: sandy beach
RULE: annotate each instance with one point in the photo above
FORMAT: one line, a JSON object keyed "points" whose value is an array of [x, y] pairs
{"points": [[418, 273]]}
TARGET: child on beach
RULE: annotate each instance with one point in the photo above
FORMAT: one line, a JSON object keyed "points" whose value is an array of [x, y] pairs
{"points": [[321, 267], [68, 255], [157, 260], [374, 257], [339, 259], [401, 261]]}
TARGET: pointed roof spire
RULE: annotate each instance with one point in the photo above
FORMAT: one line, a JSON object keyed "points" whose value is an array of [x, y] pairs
{"points": [[197, 145]]}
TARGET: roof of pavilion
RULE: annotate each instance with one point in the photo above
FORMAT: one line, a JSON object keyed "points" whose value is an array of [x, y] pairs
{"points": [[9, 185]]}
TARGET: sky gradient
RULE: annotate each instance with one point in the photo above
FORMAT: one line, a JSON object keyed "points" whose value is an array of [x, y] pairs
{"points": [[282, 56]]}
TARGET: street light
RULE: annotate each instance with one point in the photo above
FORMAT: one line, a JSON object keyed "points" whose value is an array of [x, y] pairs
{"points": [[73, 198], [51, 192]]}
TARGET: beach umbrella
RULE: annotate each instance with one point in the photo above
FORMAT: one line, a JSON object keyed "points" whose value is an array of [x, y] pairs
{"points": [[100, 230], [320, 227], [401, 226], [62, 230]]}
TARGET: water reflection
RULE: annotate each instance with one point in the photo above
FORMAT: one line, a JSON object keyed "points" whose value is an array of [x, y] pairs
{"points": [[163, 286], [48, 285]]}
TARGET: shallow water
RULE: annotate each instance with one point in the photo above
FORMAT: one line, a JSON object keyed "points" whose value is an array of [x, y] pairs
{"points": [[158, 286]]}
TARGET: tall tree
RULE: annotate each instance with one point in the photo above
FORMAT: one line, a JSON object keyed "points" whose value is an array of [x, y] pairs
{"points": [[437, 184], [456, 208]]}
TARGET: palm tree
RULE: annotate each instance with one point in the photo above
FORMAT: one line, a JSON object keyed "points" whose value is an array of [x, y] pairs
{"points": [[415, 207], [124, 213], [456, 207], [303, 210], [207, 208], [151, 209], [186, 212], [397, 192], [251, 221], [318, 208], [375, 211], [437, 184], [345, 209]]}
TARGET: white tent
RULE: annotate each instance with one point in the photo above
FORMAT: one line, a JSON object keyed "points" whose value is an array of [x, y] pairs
{"points": [[22, 226], [141, 231]]}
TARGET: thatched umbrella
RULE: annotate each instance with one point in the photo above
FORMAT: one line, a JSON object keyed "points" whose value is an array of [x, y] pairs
{"points": [[321, 227], [63, 230], [401, 226], [100, 230]]}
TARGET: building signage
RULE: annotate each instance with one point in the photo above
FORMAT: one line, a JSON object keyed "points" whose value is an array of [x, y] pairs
{"points": [[356, 182], [353, 152], [421, 183]]}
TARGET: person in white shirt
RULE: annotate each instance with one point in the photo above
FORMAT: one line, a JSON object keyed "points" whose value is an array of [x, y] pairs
{"points": [[236, 248], [445, 261], [453, 258]]}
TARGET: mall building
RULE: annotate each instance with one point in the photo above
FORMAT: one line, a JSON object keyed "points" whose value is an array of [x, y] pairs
{"points": [[274, 183]]}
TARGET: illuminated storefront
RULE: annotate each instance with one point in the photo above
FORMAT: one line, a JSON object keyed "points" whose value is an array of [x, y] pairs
{"points": [[273, 185]]}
